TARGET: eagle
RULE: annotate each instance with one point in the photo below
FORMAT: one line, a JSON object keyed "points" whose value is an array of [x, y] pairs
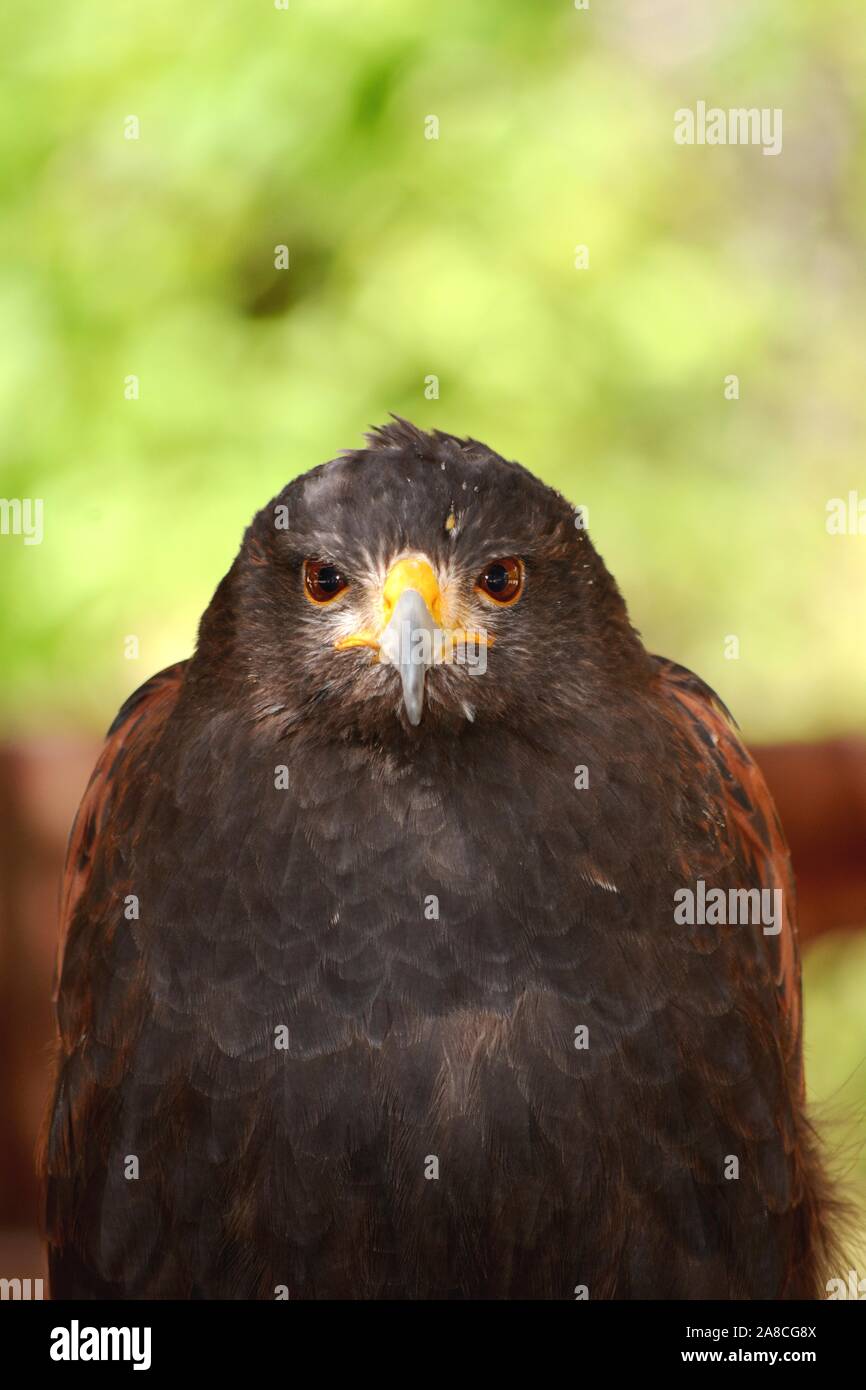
{"points": [[426, 937]]}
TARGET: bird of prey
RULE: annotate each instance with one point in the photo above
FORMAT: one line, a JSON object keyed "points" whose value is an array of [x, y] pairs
{"points": [[401, 955]]}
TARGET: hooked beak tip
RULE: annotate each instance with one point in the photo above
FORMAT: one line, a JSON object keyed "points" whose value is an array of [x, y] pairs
{"points": [[407, 644], [413, 711]]}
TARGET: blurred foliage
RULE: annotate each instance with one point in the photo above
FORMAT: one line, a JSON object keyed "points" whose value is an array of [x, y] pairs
{"points": [[452, 257]]}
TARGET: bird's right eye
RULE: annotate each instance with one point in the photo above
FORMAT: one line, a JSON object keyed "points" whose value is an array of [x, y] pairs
{"points": [[323, 581]]}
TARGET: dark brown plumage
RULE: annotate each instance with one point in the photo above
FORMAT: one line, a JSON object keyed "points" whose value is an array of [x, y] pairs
{"points": [[286, 831]]}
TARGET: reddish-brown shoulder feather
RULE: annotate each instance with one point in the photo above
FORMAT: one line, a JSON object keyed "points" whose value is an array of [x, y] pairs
{"points": [[138, 723], [751, 828]]}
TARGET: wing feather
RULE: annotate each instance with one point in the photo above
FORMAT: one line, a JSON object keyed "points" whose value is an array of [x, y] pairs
{"points": [[134, 729], [750, 827]]}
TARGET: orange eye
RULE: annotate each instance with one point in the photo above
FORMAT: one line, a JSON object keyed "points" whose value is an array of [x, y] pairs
{"points": [[323, 581], [502, 580]]}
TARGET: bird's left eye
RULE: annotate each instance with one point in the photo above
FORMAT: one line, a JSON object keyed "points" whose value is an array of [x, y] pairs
{"points": [[502, 580], [323, 581]]}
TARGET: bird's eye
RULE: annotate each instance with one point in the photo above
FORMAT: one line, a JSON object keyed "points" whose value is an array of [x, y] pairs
{"points": [[502, 580], [323, 581]]}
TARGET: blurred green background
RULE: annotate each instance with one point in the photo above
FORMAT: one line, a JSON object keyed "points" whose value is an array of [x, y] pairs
{"points": [[455, 257]]}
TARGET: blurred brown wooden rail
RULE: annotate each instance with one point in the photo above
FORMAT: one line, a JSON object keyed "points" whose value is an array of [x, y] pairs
{"points": [[820, 790]]}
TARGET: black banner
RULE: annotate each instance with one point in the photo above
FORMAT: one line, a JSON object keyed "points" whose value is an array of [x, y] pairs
{"points": [[226, 1339]]}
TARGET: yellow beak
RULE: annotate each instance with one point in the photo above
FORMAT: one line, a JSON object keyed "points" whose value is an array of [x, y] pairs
{"points": [[413, 573], [411, 636]]}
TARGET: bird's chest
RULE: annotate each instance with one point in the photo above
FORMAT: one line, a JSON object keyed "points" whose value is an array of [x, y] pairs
{"points": [[351, 905], [432, 987], [430, 890]]}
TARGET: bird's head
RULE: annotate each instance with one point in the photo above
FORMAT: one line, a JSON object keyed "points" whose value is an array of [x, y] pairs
{"points": [[418, 583]]}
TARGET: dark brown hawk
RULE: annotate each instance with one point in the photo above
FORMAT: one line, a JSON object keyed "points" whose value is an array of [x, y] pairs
{"points": [[376, 979]]}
